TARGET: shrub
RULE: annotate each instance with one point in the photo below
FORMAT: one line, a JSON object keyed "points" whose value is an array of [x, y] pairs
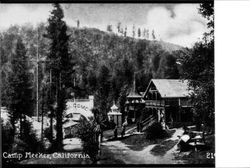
{"points": [[8, 139], [155, 131], [14, 142], [8, 134], [88, 135], [29, 137]]}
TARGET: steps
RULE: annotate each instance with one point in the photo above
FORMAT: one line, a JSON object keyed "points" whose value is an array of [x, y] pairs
{"points": [[145, 124], [148, 122]]}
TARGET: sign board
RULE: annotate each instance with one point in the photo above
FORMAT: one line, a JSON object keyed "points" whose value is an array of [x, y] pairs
{"points": [[81, 106]]}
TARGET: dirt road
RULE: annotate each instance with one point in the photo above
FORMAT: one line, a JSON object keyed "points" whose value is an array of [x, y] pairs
{"points": [[122, 152]]}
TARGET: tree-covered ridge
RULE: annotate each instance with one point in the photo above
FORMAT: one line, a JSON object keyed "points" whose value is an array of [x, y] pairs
{"points": [[91, 49]]}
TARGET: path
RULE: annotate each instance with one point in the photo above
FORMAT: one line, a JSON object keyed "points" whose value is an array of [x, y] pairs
{"points": [[122, 152]]}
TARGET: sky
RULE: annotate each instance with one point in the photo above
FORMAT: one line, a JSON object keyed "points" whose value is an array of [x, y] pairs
{"points": [[175, 23]]}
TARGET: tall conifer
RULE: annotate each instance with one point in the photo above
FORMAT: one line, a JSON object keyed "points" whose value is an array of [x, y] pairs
{"points": [[59, 65], [20, 87]]}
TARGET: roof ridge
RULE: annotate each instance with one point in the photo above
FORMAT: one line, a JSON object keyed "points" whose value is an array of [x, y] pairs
{"points": [[171, 87]]}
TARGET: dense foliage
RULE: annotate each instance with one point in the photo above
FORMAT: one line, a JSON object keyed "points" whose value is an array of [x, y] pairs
{"points": [[155, 131], [89, 134], [28, 142], [7, 133], [94, 53], [19, 97], [198, 66]]}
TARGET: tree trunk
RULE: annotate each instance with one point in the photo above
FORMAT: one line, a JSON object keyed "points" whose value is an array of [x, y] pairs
{"points": [[51, 125], [59, 117], [59, 135]]}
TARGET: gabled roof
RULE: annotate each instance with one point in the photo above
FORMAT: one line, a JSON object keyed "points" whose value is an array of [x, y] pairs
{"points": [[114, 107], [170, 88]]}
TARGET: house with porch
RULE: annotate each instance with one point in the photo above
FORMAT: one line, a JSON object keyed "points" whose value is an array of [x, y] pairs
{"points": [[168, 101]]}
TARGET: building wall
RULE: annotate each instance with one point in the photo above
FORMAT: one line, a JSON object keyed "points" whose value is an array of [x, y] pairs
{"points": [[168, 110]]}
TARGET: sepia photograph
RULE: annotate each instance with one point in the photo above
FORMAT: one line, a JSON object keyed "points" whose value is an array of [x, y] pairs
{"points": [[107, 84]]}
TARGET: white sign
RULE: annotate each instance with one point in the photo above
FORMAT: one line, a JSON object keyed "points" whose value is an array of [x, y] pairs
{"points": [[80, 106]]}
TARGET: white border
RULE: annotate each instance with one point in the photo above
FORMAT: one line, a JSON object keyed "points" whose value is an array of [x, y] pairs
{"points": [[232, 83]]}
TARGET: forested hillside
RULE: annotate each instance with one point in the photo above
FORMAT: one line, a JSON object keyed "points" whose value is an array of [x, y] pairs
{"points": [[105, 64]]}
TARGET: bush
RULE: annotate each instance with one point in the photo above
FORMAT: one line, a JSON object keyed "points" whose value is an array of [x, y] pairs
{"points": [[7, 141], [155, 131], [27, 142], [88, 135], [8, 134], [29, 137]]}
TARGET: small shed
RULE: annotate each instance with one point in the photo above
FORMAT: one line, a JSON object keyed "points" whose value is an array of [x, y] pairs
{"points": [[115, 115]]}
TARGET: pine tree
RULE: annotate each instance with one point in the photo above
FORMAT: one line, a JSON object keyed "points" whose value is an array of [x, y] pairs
{"points": [[119, 27], [139, 32], [153, 35], [109, 28], [60, 65], [147, 34], [144, 33], [20, 87], [133, 31], [103, 90], [125, 32]]}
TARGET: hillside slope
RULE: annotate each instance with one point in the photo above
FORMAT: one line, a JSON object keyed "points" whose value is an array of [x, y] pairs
{"points": [[91, 49]]}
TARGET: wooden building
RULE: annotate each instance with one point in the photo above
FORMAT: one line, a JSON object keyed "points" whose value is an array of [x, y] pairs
{"points": [[134, 105], [168, 100]]}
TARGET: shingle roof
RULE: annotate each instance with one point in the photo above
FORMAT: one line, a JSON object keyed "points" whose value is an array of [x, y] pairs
{"points": [[171, 87]]}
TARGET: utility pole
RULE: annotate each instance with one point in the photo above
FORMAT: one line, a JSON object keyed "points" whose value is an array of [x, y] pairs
{"points": [[1, 89], [37, 89], [78, 25], [1, 85], [52, 108], [42, 113]]}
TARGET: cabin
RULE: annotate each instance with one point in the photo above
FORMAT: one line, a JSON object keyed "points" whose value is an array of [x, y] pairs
{"points": [[168, 101]]}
